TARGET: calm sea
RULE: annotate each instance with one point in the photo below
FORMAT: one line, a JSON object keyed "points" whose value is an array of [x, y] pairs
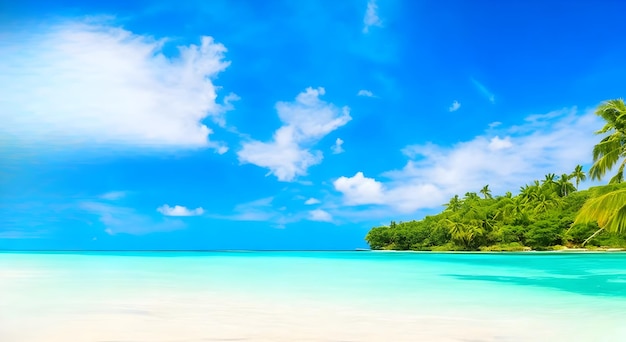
{"points": [[311, 296]]}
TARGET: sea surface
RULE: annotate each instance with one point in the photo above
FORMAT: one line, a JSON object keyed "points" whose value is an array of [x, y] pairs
{"points": [[311, 296]]}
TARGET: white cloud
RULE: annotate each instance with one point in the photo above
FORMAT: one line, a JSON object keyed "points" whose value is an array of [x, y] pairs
{"points": [[365, 93], [123, 220], [320, 215], [498, 144], [551, 143], [312, 201], [81, 83], [338, 147], [179, 210], [371, 16], [455, 106], [113, 195], [360, 189], [305, 122]]}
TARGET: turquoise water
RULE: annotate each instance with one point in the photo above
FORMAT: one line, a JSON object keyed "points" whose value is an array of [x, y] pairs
{"points": [[561, 295]]}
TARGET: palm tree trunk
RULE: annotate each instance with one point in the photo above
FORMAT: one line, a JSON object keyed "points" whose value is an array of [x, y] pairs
{"points": [[593, 235]]}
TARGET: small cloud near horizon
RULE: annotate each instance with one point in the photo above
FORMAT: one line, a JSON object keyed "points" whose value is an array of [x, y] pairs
{"points": [[179, 210]]}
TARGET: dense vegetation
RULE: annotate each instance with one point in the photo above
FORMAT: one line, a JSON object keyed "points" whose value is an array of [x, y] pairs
{"points": [[546, 214]]}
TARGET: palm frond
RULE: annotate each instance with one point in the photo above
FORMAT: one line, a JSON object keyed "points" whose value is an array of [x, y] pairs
{"points": [[608, 210]]}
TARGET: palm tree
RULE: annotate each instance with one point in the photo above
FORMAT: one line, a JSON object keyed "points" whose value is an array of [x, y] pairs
{"points": [[579, 175], [565, 187], [612, 147], [608, 210], [486, 192], [471, 196], [454, 205], [549, 182]]}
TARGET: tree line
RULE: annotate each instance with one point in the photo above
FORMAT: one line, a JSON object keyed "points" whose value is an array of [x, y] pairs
{"points": [[545, 214]]}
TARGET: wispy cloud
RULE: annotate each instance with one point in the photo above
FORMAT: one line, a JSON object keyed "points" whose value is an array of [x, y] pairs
{"points": [[125, 220], [21, 234], [338, 146], [257, 210], [312, 201], [179, 210], [305, 122], [513, 156], [371, 16], [113, 195], [90, 83], [365, 93], [455, 106], [484, 91], [320, 215]]}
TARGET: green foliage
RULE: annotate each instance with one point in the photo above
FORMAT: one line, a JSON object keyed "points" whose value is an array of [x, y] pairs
{"points": [[542, 234], [504, 247], [541, 217], [578, 233], [608, 152], [544, 215], [608, 210]]}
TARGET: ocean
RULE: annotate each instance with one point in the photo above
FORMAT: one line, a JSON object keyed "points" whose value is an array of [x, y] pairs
{"points": [[311, 296]]}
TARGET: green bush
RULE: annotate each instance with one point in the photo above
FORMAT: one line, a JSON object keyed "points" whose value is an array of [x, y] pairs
{"points": [[505, 247]]}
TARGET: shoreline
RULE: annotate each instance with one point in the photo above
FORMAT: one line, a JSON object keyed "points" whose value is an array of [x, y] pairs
{"points": [[532, 251]]}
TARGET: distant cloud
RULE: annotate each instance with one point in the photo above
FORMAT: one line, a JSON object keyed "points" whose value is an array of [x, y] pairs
{"points": [[338, 147], [305, 122], [113, 195], [89, 83], [179, 210], [455, 106], [495, 124], [320, 215], [484, 91], [124, 220], [20, 234], [312, 201], [262, 210], [257, 210], [359, 189], [499, 144], [365, 93], [371, 16], [551, 143]]}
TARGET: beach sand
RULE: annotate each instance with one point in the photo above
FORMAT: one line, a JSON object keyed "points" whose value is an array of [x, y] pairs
{"points": [[49, 301], [160, 315]]}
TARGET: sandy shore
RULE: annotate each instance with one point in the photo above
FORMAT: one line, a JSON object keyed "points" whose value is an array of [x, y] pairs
{"points": [[208, 318], [50, 302], [169, 316]]}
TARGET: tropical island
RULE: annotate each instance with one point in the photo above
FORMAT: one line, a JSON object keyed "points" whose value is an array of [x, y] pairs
{"points": [[550, 214]]}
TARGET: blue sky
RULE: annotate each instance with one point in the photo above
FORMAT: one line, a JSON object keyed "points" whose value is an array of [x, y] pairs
{"points": [[285, 124]]}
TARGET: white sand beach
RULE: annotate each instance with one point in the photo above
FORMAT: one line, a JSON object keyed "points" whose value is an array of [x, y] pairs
{"points": [[47, 301]]}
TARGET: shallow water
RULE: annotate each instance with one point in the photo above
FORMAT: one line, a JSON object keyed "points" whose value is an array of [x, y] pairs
{"points": [[312, 296]]}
